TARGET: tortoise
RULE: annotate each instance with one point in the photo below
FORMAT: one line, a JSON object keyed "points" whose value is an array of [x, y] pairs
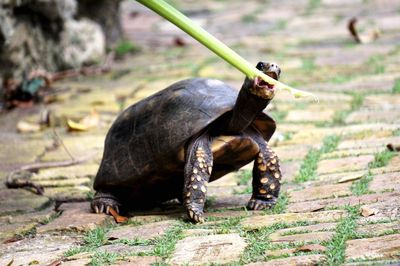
{"points": [[172, 143]]}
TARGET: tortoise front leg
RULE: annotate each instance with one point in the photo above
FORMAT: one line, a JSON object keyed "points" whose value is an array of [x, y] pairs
{"points": [[197, 173], [266, 178]]}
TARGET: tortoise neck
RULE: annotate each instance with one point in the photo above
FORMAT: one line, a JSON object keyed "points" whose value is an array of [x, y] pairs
{"points": [[246, 108]]}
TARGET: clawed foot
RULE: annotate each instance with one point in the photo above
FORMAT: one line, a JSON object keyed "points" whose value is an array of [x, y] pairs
{"points": [[195, 215], [103, 202], [258, 204]]}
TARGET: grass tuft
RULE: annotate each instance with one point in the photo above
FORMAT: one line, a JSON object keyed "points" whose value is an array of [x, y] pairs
{"points": [[360, 187], [125, 47], [103, 258], [165, 245], [345, 230], [309, 166], [396, 86], [382, 159]]}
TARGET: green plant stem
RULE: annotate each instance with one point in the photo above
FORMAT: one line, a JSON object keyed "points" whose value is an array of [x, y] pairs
{"points": [[212, 43]]}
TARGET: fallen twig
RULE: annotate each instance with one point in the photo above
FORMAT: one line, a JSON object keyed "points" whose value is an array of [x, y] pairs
{"points": [[21, 178]]}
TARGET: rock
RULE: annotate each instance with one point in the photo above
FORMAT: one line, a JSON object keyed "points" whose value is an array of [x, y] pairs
{"points": [[373, 248], [233, 201], [26, 251], [341, 165], [200, 250], [311, 248], [307, 260], [147, 231], [306, 237], [83, 43], [256, 222], [75, 217], [123, 249], [20, 200]]}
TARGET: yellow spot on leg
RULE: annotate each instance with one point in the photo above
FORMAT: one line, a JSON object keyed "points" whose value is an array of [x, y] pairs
{"points": [[264, 180], [198, 178], [272, 186], [269, 196], [203, 189], [273, 161], [188, 194], [262, 191], [195, 171], [209, 170], [277, 175], [194, 187], [191, 214], [262, 167]]}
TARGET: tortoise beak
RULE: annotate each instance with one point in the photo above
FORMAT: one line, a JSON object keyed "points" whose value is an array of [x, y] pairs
{"points": [[262, 88]]}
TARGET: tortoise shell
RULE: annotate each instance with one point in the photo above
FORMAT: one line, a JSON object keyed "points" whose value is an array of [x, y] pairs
{"points": [[147, 139]]}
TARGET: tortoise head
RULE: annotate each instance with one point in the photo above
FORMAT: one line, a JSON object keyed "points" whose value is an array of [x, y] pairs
{"points": [[262, 88]]}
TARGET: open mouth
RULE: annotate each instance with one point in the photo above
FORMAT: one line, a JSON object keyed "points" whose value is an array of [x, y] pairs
{"points": [[259, 82]]}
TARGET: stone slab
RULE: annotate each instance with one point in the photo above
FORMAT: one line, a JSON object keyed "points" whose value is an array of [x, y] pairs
{"points": [[305, 237], [20, 200], [373, 248], [320, 192], [75, 217], [256, 222], [123, 249], [389, 181], [306, 260], [308, 206], [139, 261], [146, 232], [344, 164], [41, 250], [198, 250]]}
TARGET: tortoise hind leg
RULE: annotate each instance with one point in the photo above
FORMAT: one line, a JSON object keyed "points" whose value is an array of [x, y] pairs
{"points": [[102, 202], [266, 177], [198, 167]]}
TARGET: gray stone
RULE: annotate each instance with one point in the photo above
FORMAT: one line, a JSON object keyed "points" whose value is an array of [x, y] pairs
{"points": [[198, 250]]}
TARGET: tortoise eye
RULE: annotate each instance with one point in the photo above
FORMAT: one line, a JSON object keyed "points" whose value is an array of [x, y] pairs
{"points": [[260, 66]]}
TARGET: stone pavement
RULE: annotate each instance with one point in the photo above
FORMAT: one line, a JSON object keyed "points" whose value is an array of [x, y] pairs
{"points": [[340, 197]]}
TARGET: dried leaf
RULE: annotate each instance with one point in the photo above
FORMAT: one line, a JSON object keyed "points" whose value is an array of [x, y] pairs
{"points": [[118, 218], [367, 211], [350, 178], [26, 127], [311, 247], [85, 123], [362, 38]]}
